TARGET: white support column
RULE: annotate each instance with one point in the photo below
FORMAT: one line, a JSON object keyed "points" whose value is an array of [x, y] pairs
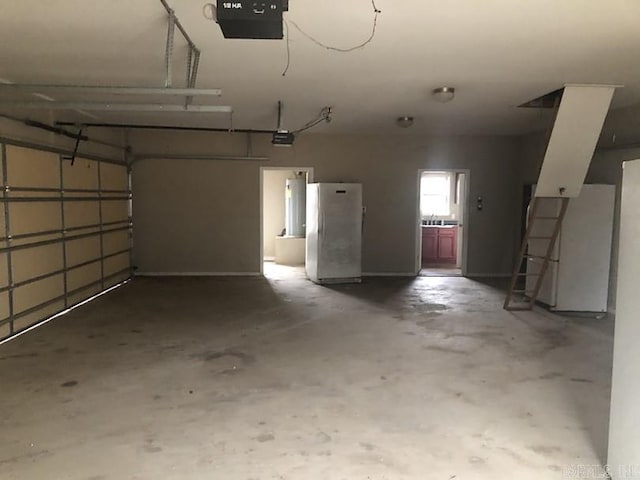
{"points": [[624, 434]]}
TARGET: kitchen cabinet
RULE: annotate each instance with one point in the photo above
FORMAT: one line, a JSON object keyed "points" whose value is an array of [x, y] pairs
{"points": [[439, 245]]}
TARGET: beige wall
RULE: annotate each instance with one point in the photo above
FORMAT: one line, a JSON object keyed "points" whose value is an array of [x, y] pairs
{"points": [[203, 216], [273, 205]]}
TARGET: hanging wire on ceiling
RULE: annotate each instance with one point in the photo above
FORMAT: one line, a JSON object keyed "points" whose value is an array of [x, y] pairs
{"points": [[286, 32], [376, 12], [209, 11], [323, 116]]}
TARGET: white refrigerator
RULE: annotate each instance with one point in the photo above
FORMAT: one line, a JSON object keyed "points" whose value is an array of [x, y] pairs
{"points": [[577, 279], [334, 232]]}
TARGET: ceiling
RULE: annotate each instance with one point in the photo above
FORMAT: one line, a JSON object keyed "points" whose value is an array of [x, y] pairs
{"points": [[496, 53]]}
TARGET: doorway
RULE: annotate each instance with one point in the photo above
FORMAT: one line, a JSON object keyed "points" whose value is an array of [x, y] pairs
{"points": [[283, 219], [441, 232]]}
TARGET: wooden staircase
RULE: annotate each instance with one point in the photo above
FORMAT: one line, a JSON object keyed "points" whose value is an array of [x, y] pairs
{"points": [[579, 114], [519, 298]]}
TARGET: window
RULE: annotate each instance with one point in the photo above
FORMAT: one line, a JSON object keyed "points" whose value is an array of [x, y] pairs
{"points": [[435, 191]]}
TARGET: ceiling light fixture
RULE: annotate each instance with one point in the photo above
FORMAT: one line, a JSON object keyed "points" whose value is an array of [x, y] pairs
{"points": [[404, 121], [444, 94]]}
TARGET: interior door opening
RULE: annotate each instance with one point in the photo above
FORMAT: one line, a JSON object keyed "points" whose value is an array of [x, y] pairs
{"points": [[283, 220], [441, 230]]}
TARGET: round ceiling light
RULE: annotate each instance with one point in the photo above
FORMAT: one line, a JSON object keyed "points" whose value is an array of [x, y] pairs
{"points": [[444, 94], [404, 121]]}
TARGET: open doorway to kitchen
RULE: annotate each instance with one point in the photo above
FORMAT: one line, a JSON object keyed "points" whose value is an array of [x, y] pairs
{"points": [[441, 232], [283, 220]]}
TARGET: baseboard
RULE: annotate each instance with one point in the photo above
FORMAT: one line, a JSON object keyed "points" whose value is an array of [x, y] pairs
{"points": [[198, 274], [488, 275], [388, 274]]}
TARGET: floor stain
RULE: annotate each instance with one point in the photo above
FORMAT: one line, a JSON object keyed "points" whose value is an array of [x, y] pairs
{"points": [[544, 450], [28, 456], [265, 437], [70, 383], [21, 355], [438, 348], [244, 357], [554, 338], [550, 376], [581, 380]]}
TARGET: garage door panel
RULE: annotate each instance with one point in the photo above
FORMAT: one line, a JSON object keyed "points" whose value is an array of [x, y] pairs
{"points": [[27, 167], [4, 270], [114, 177], [33, 217], [80, 277], [115, 211], [36, 293], [4, 305], [83, 174], [84, 294], [33, 262], [41, 209], [116, 242], [116, 264], [5, 330], [35, 317], [116, 280], [80, 214], [2, 222], [83, 250]]}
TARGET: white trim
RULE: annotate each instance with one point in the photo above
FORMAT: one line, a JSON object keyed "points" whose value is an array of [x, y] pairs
{"points": [[388, 274], [198, 274], [309, 170]]}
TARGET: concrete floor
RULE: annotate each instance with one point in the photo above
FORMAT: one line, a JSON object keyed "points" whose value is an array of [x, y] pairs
{"points": [[251, 378], [440, 272]]}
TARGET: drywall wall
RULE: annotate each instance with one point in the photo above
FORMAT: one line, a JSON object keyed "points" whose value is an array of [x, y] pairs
{"points": [[203, 216], [624, 435], [273, 201]]}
